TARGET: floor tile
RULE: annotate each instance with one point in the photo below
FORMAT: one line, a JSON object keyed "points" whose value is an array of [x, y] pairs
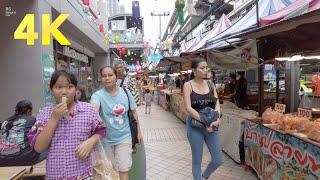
{"points": [[168, 151]]}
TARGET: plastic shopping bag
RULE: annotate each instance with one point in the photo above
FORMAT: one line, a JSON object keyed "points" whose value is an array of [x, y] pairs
{"points": [[102, 165]]}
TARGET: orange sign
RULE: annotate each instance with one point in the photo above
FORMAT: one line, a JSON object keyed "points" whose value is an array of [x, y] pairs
{"points": [[304, 113], [281, 108]]}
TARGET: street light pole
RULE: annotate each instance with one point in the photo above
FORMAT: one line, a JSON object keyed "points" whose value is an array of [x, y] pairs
{"points": [[165, 13]]}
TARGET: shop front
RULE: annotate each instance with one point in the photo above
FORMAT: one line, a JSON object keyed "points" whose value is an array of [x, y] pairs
{"points": [[77, 63], [284, 143]]}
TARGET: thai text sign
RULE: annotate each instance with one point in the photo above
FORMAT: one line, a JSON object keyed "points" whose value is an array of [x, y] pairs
{"points": [[274, 155]]}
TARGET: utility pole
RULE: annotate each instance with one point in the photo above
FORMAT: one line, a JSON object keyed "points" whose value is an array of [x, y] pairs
{"points": [[165, 13]]}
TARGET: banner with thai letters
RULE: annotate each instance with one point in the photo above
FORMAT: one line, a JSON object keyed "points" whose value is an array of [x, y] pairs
{"points": [[276, 155]]}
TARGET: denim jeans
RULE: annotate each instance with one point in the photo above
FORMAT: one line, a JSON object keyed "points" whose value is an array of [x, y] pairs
{"points": [[196, 136]]}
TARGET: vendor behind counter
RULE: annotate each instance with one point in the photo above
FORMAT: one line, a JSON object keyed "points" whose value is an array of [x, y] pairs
{"points": [[236, 90], [230, 87], [241, 90]]}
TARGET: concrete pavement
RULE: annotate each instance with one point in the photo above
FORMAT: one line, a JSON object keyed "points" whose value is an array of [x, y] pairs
{"points": [[168, 151]]}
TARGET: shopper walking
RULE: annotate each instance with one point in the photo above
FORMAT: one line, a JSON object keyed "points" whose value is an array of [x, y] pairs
{"points": [[113, 104], [124, 80], [69, 131], [148, 99], [138, 169], [199, 94]]}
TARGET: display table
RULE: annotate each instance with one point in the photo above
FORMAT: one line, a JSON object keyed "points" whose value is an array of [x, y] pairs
{"points": [[274, 154], [232, 127], [177, 106], [38, 169], [14, 172], [165, 97]]}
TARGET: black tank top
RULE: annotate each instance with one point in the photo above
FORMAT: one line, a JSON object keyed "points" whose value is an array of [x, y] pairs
{"points": [[200, 101]]}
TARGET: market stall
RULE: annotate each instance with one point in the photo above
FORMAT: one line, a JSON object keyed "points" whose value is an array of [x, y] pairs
{"points": [[165, 96], [173, 100], [286, 146], [173, 69], [177, 106]]}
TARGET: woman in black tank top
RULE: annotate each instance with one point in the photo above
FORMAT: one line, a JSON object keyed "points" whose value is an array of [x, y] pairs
{"points": [[199, 94]]}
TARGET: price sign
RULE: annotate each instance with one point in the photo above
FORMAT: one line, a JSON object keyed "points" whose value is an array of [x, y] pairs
{"points": [[281, 108], [304, 113]]}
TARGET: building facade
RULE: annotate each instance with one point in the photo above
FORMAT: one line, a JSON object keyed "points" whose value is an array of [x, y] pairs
{"points": [[126, 39], [194, 10]]}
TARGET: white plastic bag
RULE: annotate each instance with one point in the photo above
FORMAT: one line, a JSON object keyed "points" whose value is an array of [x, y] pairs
{"points": [[305, 102], [102, 165]]}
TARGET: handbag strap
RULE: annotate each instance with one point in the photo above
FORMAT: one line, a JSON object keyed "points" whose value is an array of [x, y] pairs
{"points": [[121, 84], [212, 88], [125, 90]]}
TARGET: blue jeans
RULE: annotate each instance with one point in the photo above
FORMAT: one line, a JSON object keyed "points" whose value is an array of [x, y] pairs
{"points": [[196, 136]]}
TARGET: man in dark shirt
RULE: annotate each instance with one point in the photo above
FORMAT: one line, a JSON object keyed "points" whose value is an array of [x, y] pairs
{"points": [[241, 90], [230, 89], [179, 82], [232, 83]]}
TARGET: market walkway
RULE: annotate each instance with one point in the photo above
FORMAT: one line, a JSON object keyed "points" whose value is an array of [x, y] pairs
{"points": [[168, 152]]}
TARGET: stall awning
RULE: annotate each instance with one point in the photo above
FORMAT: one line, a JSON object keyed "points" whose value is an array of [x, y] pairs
{"points": [[298, 24], [239, 56], [265, 8], [297, 8], [185, 47], [173, 63], [218, 27]]}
